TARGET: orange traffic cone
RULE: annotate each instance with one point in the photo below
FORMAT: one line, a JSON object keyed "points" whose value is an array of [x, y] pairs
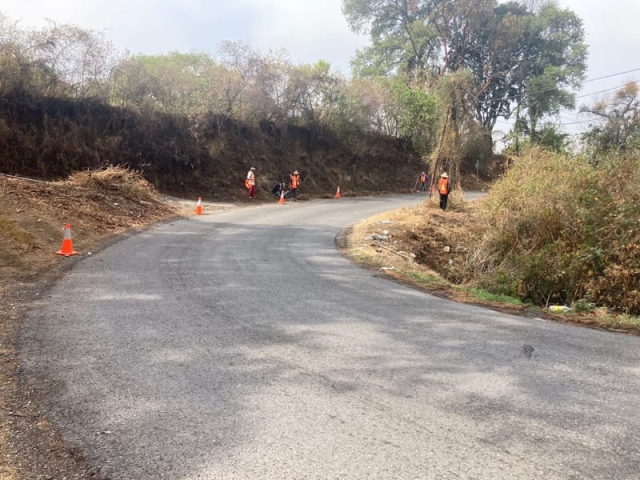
{"points": [[199, 206], [338, 193], [67, 243], [281, 201]]}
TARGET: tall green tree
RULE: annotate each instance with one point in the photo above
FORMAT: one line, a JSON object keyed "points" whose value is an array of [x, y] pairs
{"points": [[417, 114], [527, 57], [554, 63], [402, 42]]}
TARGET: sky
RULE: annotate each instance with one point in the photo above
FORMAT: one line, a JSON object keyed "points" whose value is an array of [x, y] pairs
{"points": [[308, 30]]}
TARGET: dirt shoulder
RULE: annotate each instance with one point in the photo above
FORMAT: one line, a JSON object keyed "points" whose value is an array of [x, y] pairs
{"points": [[426, 248]]}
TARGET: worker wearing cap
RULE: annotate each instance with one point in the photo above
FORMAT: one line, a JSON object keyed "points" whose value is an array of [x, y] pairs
{"points": [[294, 183], [444, 188], [250, 182]]}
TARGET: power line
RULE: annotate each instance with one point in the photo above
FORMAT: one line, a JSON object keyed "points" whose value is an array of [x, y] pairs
{"points": [[563, 121], [612, 75], [516, 97], [601, 91], [577, 123], [571, 122]]}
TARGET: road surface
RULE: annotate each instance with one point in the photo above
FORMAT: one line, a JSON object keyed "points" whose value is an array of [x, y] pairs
{"points": [[242, 345]]}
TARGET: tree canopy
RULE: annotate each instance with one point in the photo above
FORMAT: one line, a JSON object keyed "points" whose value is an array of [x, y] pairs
{"points": [[524, 57]]}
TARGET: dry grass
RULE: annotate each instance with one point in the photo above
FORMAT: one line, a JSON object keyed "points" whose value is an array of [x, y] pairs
{"points": [[560, 231], [114, 178], [18, 236], [422, 239], [425, 247]]}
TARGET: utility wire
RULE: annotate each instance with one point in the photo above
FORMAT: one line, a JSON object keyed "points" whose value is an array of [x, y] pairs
{"points": [[612, 75], [601, 91], [516, 97], [576, 123], [579, 122]]}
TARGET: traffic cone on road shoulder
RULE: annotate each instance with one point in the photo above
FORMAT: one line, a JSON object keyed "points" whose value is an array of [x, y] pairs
{"points": [[67, 243], [338, 193], [281, 201], [199, 206]]}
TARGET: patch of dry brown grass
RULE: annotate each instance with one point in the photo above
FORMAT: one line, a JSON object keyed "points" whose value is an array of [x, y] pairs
{"points": [[434, 241], [422, 246]]}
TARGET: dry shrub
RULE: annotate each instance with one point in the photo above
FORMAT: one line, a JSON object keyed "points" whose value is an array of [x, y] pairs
{"points": [[560, 230], [618, 280], [118, 178]]}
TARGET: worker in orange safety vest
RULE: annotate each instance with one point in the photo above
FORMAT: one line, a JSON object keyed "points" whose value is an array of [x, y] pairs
{"points": [[444, 188], [294, 183], [424, 178], [250, 182]]}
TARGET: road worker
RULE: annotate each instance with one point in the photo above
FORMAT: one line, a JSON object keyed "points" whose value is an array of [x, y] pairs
{"points": [[424, 180], [294, 183], [444, 188], [250, 182], [277, 189]]}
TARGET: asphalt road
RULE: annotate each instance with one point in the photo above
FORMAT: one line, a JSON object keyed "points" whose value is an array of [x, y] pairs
{"points": [[242, 345]]}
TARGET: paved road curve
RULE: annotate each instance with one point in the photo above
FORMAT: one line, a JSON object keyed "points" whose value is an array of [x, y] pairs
{"points": [[243, 346]]}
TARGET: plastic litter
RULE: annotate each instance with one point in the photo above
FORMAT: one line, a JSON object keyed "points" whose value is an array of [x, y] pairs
{"points": [[559, 308]]}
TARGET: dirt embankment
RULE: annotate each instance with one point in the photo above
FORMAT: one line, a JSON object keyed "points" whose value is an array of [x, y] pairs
{"points": [[50, 138]]}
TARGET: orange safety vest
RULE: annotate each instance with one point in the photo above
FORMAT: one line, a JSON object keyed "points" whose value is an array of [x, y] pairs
{"points": [[443, 186], [423, 178], [251, 180], [295, 181]]}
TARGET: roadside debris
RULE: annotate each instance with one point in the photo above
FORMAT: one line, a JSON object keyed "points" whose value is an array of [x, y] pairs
{"points": [[559, 308], [378, 238]]}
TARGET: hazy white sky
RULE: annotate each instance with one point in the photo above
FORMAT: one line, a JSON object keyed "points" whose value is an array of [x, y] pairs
{"points": [[309, 30]]}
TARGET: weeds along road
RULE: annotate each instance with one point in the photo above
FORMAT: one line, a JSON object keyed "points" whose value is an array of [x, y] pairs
{"points": [[242, 345]]}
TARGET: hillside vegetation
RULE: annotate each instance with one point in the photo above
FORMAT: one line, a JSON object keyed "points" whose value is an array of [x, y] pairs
{"points": [[50, 138]]}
